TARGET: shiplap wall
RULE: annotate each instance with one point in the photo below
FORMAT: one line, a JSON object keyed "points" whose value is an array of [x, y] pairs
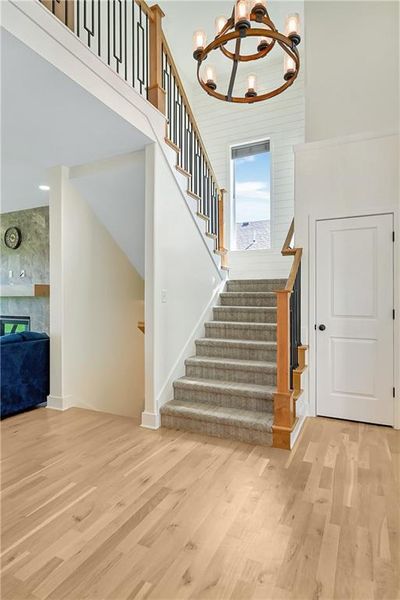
{"points": [[281, 120]]}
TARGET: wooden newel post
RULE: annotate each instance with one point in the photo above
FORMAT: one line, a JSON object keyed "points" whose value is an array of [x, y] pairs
{"points": [[284, 407], [221, 221], [221, 230], [155, 90]]}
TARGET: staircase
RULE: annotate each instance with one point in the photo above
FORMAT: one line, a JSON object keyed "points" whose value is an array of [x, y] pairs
{"points": [[229, 385]]}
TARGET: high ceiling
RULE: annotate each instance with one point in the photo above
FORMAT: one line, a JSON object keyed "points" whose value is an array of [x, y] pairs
{"points": [[49, 120], [183, 17]]}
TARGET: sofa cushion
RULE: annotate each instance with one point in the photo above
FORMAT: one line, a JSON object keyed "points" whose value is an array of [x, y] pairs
{"points": [[11, 338], [33, 335]]}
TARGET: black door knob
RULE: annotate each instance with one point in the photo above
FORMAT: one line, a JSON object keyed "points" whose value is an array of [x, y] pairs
{"points": [[322, 327]]}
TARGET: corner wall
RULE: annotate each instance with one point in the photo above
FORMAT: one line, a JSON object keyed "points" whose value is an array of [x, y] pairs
{"points": [[97, 351]]}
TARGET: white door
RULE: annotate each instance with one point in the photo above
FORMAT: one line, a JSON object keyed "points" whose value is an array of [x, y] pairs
{"points": [[354, 326]]}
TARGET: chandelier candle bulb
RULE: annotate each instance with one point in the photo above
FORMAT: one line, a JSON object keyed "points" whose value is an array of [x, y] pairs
{"points": [[292, 28], [220, 23], [263, 43], [259, 9], [289, 67], [199, 42], [251, 85], [242, 15], [211, 77]]}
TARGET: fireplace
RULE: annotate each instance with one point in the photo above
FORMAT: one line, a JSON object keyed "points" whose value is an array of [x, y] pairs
{"points": [[14, 324]]}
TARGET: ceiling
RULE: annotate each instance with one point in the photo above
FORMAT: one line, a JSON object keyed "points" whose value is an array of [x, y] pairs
{"points": [[183, 17], [49, 120]]}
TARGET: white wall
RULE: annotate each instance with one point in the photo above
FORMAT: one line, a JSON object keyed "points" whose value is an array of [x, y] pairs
{"points": [[353, 176], [114, 189], [281, 120], [180, 270], [96, 301], [352, 67]]}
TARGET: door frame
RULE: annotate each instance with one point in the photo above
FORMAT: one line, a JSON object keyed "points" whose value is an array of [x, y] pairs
{"points": [[312, 299]]}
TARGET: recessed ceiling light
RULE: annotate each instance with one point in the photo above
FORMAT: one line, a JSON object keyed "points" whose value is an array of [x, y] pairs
{"points": [[44, 188]]}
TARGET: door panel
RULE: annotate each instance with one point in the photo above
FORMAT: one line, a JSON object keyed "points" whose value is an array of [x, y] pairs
{"points": [[354, 295]]}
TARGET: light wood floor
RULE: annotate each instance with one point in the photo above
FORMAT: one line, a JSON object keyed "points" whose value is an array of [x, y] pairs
{"points": [[94, 507]]}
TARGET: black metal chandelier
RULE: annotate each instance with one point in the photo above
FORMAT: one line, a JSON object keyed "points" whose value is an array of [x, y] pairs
{"points": [[249, 19]]}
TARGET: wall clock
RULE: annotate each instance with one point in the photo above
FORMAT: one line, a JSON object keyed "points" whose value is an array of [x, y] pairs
{"points": [[12, 238]]}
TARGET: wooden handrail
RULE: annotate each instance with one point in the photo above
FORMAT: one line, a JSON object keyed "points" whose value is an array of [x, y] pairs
{"points": [[284, 404], [208, 195], [64, 10], [187, 103], [288, 250]]}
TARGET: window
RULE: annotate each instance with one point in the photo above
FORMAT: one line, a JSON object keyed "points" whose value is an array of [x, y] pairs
{"points": [[252, 196]]}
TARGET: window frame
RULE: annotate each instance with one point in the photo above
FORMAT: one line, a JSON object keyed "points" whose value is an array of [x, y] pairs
{"points": [[231, 218]]}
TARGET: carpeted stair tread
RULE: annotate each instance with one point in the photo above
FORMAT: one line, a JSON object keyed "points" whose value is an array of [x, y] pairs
{"points": [[254, 285], [256, 344], [243, 324], [228, 387], [240, 314], [249, 419], [247, 295], [232, 363], [259, 309], [248, 299], [256, 281]]}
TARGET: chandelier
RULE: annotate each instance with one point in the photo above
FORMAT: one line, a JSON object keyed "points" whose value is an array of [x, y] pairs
{"points": [[249, 19]]}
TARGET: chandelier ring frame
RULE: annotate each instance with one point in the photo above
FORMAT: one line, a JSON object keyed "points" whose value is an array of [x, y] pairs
{"points": [[219, 42]]}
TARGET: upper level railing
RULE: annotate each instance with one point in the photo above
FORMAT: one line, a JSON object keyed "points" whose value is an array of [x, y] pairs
{"points": [[127, 35]]}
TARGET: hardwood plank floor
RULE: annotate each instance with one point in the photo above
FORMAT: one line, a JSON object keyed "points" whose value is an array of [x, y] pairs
{"points": [[94, 507]]}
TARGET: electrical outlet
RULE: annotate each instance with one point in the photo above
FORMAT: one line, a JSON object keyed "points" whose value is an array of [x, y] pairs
{"points": [[163, 296]]}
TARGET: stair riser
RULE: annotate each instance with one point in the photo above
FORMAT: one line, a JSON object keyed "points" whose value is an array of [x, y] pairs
{"points": [[230, 332], [223, 399], [254, 286], [238, 375], [266, 315], [248, 436], [233, 352], [268, 301]]}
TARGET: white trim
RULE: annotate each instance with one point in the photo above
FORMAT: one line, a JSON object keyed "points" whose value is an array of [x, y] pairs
{"points": [[178, 369], [297, 430], [150, 420], [59, 402], [312, 240], [339, 141]]}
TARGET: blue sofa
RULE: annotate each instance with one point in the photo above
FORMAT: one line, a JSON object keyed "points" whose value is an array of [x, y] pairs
{"points": [[24, 362]]}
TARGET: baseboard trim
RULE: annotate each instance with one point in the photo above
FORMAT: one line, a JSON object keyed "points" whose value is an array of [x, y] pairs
{"points": [[295, 434], [150, 420], [59, 402]]}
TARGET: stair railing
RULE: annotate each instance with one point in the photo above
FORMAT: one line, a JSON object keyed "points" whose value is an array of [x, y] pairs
{"points": [[182, 134], [128, 36], [288, 342]]}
